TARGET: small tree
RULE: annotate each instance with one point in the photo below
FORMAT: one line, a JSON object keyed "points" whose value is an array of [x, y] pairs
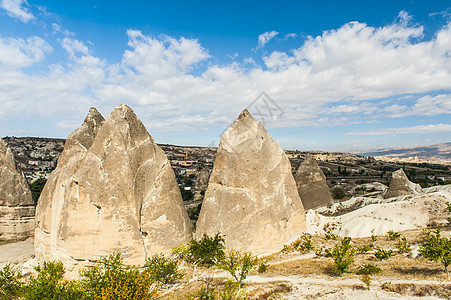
{"points": [[342, 254], [207, 251], [392, 235], [9, 282], [437, 248], [237, 264], [163, 269]]}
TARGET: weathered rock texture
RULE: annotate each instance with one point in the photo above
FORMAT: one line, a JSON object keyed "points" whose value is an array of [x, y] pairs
{"points": [[121, 196], [312, 185], [400, 185], [251, 197], [17, 206], [201, 184]]}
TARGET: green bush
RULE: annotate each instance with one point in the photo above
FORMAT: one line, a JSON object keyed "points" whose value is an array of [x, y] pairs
{"points": [[163, 270], [374, 237], [232, 291], [342, 254], [49, 284], [262, 267], [368, 269], [437, 248], [10, 284], [237, 264], [392, 235], [204, 293], [37, 186], [364, 248], [319, 251], [448, 206], [207, 251], [304, 243], [403, 246], [111, 279], [382, 254]]}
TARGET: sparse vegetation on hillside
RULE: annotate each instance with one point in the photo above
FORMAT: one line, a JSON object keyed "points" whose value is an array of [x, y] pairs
{"points": [[437, 248], [342, 254]]}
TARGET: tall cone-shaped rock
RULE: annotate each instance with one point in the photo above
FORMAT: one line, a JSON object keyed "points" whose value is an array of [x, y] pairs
{"points": [[50, 203], [17, 207], [312, 185], [400, 185], [201, 184], [123, 197], [251, 196]]}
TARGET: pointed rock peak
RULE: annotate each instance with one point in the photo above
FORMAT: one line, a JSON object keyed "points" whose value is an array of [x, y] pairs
{"points": [[123, 113], [94, 119], [400, 173], [245, 114]]}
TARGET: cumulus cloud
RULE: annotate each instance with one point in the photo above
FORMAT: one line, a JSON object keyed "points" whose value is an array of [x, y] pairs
{"points": [[264, 38], [421, 129], [15, 9], [350, 75], [19, 53]]}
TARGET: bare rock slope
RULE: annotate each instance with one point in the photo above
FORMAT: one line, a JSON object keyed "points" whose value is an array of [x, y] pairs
{"points": [[121, 196], [400, 185], [17, 207], [251, 197], [312, 185]]}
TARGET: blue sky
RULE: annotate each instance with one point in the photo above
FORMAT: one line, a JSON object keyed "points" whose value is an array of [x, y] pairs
{"points": [[339, 75]]}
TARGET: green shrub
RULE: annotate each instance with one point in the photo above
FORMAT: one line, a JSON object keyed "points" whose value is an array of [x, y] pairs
{"points": [[448, 206], [365, 248], [319, 251], [382, 254], [402, 245], [111, 279], [232, 291], [10, 284], [262, 267], [304, 243], [366, 279], [342, 254], [163, 270], [374, 237], [204, 293], [207, 251], [392, 235], [237, 264], [368, 269], [437, 248], [49, 284]]}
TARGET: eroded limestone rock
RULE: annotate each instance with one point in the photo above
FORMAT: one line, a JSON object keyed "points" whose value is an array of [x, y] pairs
{"points": [[17, 207], [312, 185], [121, 196], [400, 185], [251, 197]]}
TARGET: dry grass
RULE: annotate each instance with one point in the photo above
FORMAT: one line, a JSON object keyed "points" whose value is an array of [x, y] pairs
{"points": [[419, 290]]}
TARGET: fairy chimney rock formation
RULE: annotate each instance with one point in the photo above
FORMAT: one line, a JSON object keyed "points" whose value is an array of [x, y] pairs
{"points": [[251, 196], [201, 184], [122, 197], [312, 185], [400, 185], [17, 207]]}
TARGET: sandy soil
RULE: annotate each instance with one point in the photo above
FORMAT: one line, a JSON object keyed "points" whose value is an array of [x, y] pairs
{"points": [[19, 252]]}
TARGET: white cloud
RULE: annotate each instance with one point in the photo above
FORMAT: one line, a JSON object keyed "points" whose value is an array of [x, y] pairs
{"points": [[421, 129], [15, 9], [264, 38], [290, 35], [19, 53], [337, 78], [58, 28]]}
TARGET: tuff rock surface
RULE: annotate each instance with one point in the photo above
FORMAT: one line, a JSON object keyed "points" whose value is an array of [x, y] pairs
{"points": [[251, 196], [312, 185], [201, 184], [400, 185], [115, 192], [17, 207]]}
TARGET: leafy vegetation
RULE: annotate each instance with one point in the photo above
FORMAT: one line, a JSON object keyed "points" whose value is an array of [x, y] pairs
{"points": [[111, 279], [368, 269], [163, 270], [382, 254], [342, 254], [10, 285], [437, 248], [208, 251], [304, 243], [262, 267], [392, 235], [237, 264], [402, 245], [37, 186], [338, 193]]}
